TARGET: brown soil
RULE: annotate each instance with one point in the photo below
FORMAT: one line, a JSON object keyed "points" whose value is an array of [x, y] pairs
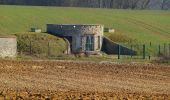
{"points": [[83, 80]]}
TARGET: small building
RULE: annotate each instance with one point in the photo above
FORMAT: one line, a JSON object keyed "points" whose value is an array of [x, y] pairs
{"points": [[82, 38], [109, 30], [36, 30], [8, 46]]}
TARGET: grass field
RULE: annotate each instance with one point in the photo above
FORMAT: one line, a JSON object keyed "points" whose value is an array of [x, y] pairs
{"points": [[144, 26], [138, 26]]}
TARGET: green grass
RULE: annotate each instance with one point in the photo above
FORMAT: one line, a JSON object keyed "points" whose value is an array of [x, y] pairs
{"points": [[40, 45], [143, 26]]}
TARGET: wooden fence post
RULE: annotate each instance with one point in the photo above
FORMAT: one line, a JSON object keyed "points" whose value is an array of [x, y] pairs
{"points": [[131, 51], [144, 51], [30, 47], [164, 48], [150, 44], [159, 50], [48, 49], [119, 51], [169, 49]]}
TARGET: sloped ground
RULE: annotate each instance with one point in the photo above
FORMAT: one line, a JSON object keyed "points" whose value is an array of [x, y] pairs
{"points": [[78, 80], [40, 44], [145, 26]]}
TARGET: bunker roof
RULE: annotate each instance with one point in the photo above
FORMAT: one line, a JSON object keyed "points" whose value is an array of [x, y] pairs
{"points": [[9, 36], [78, 24]]}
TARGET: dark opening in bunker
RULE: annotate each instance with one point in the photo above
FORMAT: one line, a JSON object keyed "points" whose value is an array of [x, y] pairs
{"points": [[89, 43]]}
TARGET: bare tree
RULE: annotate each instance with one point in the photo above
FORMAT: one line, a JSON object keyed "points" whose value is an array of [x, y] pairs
{"points": [[164, 4], [118, 4], [144, 4]]}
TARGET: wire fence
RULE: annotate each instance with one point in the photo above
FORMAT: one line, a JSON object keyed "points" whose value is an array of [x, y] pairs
{"points": [[143, 51], [37, 49]]}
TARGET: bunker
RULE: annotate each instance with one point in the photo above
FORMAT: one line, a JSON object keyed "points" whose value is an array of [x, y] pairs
{"points": [[109, 30], [8, 46], [36, 30], [82, 38]]}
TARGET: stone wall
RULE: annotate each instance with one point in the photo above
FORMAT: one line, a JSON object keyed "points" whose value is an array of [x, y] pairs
{"points": [[8, 47], [69, 30], [78, 34]]}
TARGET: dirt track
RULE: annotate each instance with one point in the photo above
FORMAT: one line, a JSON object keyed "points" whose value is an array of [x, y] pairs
{"points": [[97, 79]]}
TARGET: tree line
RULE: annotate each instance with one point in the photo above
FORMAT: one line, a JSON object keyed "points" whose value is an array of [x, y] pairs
{"points": [[117, 4]]}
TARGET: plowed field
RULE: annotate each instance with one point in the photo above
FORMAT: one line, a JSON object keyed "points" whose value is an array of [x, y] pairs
{"points": [[83, 80]]}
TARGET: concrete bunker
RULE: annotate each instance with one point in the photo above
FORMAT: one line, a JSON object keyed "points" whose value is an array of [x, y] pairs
{"points": [[109, 30], [82, 38], [8, 46], [36, 30]]}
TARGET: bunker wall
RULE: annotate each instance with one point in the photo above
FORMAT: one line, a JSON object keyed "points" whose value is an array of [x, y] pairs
{"points": [[69, 30], [8, 47], [78, 33]]}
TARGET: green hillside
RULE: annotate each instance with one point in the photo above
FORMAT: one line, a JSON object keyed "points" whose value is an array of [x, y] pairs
{"points": [[143, 26], [42, 44]]}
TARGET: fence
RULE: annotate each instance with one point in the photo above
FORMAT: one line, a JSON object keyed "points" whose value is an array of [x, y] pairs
{"points": [[145, 51], [50, 49], [39, 49]]}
